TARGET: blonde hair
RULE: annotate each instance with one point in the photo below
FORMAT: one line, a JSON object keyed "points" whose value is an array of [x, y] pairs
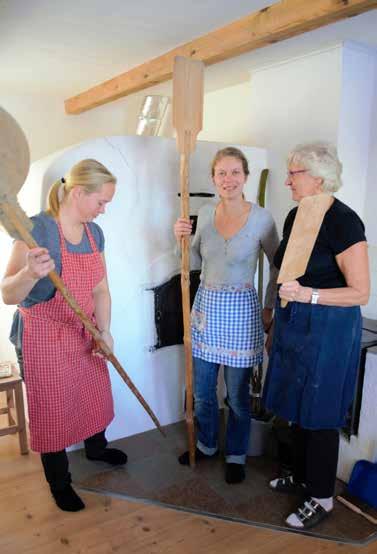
{"points": [[88, 174]]}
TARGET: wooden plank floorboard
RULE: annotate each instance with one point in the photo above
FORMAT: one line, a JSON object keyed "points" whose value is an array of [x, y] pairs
{"points": [[30, 523]]}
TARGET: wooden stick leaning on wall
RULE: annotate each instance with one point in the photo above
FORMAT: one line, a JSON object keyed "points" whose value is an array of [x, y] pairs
{"points": [[17, 224], [257, 374], [187, 121], [356, 509], [261, 202]]}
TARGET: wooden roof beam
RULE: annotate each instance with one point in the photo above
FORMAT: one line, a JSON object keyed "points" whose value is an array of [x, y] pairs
{"points": [[280, 21]]}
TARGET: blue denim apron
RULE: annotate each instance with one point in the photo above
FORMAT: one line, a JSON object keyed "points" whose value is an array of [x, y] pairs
{"points": [[313, 364]]}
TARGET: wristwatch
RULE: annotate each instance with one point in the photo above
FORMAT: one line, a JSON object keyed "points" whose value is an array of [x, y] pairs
{"points": [[315, 296]]}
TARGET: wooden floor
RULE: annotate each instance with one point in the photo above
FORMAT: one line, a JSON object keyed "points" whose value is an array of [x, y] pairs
{"points": [[30, 523]]}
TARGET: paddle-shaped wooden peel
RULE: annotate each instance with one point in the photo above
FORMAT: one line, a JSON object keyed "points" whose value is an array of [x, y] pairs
{"points": [[187, 121], [308, 220], [18, 225]]}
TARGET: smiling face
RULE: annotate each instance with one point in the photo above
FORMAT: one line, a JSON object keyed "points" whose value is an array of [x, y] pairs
{"points": [[302, 183], [91, 205], [229, 177]]}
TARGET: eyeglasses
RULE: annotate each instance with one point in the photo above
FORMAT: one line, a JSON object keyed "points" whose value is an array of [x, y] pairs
{"points": [[293, 173]]}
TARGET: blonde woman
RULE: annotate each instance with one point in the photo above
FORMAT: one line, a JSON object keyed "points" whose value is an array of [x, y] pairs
{"points": [[67, 381]]}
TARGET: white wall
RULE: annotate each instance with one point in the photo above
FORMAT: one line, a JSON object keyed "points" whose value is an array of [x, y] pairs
{"points": [[357, 146], [6, 349], [48, 128], [371, 193], [355, 117], [371, 205], [226, 115], [290, 104]]}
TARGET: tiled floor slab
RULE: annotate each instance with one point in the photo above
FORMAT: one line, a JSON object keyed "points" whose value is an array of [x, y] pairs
{"points": [[153, 474]]}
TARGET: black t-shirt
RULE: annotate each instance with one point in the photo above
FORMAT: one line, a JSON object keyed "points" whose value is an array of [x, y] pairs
{"points": [[340, 229]]}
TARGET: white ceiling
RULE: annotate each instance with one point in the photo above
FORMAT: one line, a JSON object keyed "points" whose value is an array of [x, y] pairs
{"points": [[67, 46]]}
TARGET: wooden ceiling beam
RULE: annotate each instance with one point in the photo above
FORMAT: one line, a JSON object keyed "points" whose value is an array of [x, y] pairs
{"points": [[272, 24]]}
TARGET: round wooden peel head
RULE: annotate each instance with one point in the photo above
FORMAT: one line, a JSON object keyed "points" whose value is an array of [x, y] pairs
{"points": [[14, 167], [14, 155]]}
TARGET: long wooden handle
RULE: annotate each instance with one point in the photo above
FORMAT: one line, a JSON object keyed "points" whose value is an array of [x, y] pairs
{"points": [[10, 213], [188, 90], [186, 308], [356, 509], [261, 202]]}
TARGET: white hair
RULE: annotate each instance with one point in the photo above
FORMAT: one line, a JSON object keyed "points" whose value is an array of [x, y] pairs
{"points": [[321, 160]]}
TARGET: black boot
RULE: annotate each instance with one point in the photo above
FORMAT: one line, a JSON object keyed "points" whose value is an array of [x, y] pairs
{"points": [[184, 459], [95, 449], [111, 456], [55, 465], [67, 500], [234, 473]]}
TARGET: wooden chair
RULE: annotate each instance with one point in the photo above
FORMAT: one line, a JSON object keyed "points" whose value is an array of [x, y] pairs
{"points": [[12, 386]]}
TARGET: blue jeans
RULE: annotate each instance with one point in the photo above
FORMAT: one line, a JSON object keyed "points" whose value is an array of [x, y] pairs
{"points": [[207, 410]]}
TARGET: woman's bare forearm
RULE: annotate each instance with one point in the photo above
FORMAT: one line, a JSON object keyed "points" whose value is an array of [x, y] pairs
{"points": [[102, 309], [15, 288], [344, 297]]}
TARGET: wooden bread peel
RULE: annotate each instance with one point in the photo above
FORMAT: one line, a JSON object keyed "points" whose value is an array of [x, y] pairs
{"points": [[305, 229], [187, 120]]}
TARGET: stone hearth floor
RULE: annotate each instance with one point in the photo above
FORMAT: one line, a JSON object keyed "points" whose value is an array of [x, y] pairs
{"points": [[153, 475]]}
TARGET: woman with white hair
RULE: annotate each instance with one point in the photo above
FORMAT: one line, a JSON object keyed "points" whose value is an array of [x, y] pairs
{"points": [[316, 339], [67, 380]]}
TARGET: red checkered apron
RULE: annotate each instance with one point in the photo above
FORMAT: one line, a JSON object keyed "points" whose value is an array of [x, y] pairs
{"points": [[68, 389]]}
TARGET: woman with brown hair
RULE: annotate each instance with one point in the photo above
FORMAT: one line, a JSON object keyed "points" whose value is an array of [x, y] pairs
{"points": [[227, 320]]}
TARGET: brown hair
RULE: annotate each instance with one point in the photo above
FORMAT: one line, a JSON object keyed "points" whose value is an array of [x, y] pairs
{"points": [[232, 152], [88, 174]]}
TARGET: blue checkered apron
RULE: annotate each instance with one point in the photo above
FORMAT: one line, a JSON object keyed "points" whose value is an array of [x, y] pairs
{"points": [[226, 325]]}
